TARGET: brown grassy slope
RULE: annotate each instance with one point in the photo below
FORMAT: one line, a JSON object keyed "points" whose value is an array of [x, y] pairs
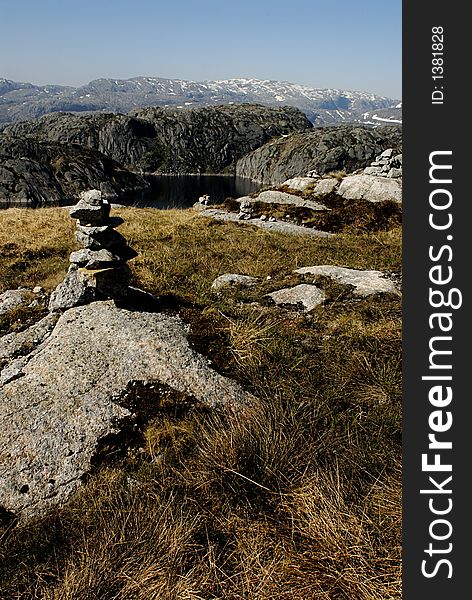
{"points": [[303, 500]]}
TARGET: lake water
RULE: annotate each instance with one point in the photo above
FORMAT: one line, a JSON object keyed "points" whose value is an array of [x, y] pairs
{"points": [[182, 191]]}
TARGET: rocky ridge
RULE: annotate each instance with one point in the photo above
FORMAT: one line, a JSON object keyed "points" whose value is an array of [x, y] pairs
{"points": [[20, 101], [36, 172], [166, 140], [342, 147]]}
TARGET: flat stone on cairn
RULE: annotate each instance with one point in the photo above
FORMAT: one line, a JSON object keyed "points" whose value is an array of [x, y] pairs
{"points": [[90, 209], [98, 271]]}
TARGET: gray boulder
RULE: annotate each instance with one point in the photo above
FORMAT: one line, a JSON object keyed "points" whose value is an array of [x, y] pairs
{"points": [[82, 286], [304, 296], [12, 299], [326, 186], [76, 389], [371, 188], [263, 223], [300, 183], [364, 283]]}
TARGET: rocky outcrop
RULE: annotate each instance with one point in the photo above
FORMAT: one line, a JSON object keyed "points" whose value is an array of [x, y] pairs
{"points": [[271, 225], [78, 389], [325, 149], [280, 198], [166, 140], [34, 172], [364, 283], [386, 164]]}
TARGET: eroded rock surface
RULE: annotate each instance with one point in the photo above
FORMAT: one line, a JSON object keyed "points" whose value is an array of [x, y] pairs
{"points": [[69, 395], [275, 226], [276, 197], [364, 283], [36, 172], [371, 188]]}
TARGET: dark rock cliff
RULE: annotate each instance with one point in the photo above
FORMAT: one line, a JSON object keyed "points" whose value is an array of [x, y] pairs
{"points": [[34, 172], [344, 147], [165, 140]]}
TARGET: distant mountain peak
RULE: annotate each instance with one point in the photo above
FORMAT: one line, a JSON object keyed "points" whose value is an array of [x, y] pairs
{"points": [[22, 101]]}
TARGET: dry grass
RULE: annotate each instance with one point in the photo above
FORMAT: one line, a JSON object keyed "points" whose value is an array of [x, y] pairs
{"points": [[300, 501], [34, 247]]}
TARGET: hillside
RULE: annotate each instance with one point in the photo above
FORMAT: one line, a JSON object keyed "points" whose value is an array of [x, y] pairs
{"points": [[165, 140], [340, 147]]}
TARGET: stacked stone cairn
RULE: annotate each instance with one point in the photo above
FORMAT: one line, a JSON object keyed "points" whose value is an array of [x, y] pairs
{"points": [[386, 165], [99, 270]]}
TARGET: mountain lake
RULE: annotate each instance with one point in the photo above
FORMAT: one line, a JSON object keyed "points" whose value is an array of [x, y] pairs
{"points": [[179, 191], [182, 191]]}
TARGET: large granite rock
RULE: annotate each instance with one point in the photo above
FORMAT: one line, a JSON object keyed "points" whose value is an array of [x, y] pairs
{"points": [[346, 147], [371, 188], [364, 282], [75, 389]]}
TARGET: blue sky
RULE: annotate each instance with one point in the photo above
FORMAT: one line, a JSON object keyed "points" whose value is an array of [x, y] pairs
{"points": [[343, 44]]}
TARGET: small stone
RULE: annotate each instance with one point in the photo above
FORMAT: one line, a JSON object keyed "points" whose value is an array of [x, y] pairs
{"points": [[387, 153], [90, 209], [372, 170], [38, 290], [246, 205], [96, 238], [95, 259], [395, 173], [12, 299], [304, 295], [232, 280], [263, 217]]}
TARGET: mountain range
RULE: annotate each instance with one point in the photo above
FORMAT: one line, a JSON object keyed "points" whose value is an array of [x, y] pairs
{"points": [[23, 101]]}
